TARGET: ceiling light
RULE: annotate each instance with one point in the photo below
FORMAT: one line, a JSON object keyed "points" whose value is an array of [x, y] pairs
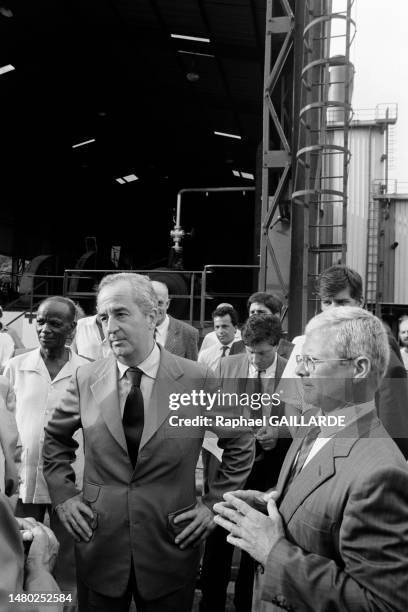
{"points": [[195, 38], [120, 181], [6, 12], [247, 175], [130, 178], [195, 53], [7, 68], [227, 135], [81, 144], [236, 173]]}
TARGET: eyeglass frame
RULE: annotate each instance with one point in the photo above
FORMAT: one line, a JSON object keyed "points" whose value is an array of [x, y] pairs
{"points": [[300, 359]]}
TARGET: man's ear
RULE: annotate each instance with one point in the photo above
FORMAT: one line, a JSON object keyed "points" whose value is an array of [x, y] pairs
{"points": [[152, 316], [362, 367]]}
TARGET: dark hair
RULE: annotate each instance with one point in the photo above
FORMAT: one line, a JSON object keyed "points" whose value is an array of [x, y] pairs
{"points": [[262, 328], [63, 300], [269, 300], [226, 310], [337, 278]]}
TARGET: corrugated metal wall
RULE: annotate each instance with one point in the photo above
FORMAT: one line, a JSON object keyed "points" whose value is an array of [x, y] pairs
{"points": [[401, 252], [364, 168]]}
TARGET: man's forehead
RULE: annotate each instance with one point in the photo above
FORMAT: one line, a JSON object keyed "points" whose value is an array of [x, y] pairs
{"points": [[55, 309], [318, 342], [225, 320]]}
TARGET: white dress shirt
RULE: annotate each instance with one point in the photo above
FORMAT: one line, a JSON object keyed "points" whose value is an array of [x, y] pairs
{"points": [[88, 339], [37, 396], [212, 355], [211, 338], [162, 331], [149, 368], [6, 349], [404, 355]]}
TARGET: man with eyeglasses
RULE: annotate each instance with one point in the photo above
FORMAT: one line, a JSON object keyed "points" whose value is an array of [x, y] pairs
{"points": [[334, 533], [342, 286]]}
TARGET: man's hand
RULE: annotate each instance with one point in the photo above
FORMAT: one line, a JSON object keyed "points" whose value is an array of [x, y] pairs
{"points": [[202, 523], [255, 499], [71, 514], [249, 529], [267, 437], [43, 550]]}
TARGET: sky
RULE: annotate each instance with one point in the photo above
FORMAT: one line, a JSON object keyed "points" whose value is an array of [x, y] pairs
{"points": [[380, 56]]}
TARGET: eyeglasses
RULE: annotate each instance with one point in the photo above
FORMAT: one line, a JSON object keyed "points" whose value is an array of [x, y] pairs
{"points": [[309, 363]]}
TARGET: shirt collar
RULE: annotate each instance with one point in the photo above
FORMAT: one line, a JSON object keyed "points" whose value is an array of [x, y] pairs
{"points": [[163, 325], [149, 366]]}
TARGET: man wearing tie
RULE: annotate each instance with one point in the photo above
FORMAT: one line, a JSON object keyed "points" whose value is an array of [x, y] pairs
{"points": [[256, 371], [334, 534], [225, 326], [137, 522]]}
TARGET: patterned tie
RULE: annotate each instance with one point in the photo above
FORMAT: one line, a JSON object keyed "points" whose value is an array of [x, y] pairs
{"points": [[224, 350], [303, 453], [133, 414]]}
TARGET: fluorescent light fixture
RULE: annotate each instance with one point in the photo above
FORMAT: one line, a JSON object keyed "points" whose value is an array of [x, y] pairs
{"points": [[194, 53], [130, 178], [81, 144], [7, 68], [120, 181], [196, 38], [227, 135], [247, 175], [236, 173]]}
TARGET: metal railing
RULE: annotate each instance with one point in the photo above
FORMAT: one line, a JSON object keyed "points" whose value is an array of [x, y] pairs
{"points": [[30, 300]]}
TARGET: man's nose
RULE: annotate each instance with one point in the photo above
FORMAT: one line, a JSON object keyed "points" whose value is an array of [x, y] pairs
{"points": [[301, 370], [111, 325]]}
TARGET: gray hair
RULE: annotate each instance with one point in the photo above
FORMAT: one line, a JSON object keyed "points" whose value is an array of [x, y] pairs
{"points": [[142, 289], [354, 332]]}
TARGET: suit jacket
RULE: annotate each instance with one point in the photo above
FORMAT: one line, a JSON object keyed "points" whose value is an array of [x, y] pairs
{"points": [[134, 507], [346, 522], [391, 398], [182, 339], [233, 371]]}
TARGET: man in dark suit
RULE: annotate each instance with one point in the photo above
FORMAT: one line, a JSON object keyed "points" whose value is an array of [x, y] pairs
{"points": [[258, 370], [137, 522], [334, 534], [176, 336]]}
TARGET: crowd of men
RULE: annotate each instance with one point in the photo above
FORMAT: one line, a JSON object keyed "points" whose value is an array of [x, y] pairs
{"points": [[315, 516]]}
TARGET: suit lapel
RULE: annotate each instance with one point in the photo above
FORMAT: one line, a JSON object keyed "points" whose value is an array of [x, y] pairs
{"points": [[321, 467], [167, 379], [105, 392], [317, 471]]}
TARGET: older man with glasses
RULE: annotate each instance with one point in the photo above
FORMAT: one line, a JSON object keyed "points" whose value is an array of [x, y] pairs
{"points": [[334, 533]]}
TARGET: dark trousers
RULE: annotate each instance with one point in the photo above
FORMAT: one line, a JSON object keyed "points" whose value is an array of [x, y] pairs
{"points": [[216, 566], [177, 601]]}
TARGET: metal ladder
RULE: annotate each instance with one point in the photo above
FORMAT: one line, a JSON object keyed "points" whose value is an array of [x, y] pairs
{"points": [[322, 157]]}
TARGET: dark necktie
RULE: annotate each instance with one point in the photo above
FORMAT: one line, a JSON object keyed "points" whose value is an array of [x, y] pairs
{"points": [[303, 453], [224, 351], [133, 414]]}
